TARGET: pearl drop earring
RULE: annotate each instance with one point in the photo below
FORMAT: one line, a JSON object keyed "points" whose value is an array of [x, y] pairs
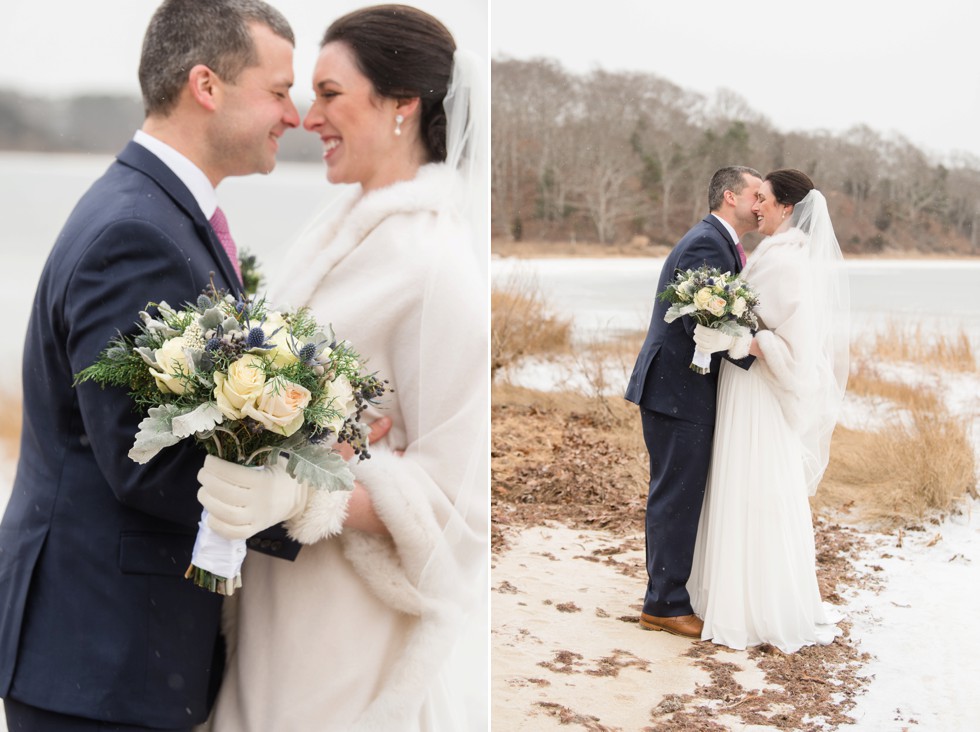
{"points": [[398, 124]]}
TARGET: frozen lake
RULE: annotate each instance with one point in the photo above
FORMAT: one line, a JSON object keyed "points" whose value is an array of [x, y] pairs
{"points": [[608, 297]]}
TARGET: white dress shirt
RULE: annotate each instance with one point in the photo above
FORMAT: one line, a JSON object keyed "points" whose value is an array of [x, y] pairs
{"points": [[724, 223], [190, 175]]}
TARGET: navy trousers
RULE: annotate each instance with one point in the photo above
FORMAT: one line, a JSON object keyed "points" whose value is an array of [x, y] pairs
{"points": [[25, 718], [679, 455]]}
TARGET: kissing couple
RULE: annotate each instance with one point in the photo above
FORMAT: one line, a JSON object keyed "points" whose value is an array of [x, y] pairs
{"points": [[352, 601], [735, 453]]}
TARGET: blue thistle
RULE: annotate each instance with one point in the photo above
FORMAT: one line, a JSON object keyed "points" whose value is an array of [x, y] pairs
{"points": [[256, 337], [213, 344], [203, 302], [308, 352]]}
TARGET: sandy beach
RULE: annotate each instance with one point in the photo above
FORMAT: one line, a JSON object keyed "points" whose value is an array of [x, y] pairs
{"points": [[569, 654]]}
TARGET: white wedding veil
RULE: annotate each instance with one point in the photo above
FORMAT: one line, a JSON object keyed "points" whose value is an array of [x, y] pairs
{"points": [[453, 584], [464, 550], [468, 145], [830, 293]]}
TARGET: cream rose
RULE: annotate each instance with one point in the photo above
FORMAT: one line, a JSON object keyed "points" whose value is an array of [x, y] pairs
{"points": [[703, 297], [716, 306], [738, 307], [242, 385], [171, 361], [339, 395], [280, 406], [283, 355]]}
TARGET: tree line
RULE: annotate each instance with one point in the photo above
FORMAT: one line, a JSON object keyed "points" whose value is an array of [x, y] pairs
{"points": [[610, 157], [99, 123]]}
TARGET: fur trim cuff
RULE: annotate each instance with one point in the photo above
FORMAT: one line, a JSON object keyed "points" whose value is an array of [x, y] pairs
{"points": [[740, 347], [323, 517]]}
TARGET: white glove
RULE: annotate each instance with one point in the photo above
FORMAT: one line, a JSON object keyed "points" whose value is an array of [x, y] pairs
{"points": [[710, 340], [242, 501]]}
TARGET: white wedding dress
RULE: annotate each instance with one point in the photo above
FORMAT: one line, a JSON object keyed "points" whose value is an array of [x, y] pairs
{"points": [[754, 579]]}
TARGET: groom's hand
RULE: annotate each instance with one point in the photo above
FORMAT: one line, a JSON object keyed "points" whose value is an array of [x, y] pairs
{"points": [[243, 501]]}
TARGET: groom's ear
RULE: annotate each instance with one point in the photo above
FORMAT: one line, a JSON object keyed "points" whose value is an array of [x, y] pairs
{"points": [[201, 82]]}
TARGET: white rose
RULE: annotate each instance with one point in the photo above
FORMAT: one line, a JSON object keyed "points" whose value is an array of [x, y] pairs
{"points": [[738, 307], [282, 356], [280, 406], [171, 360], [702, 298], [339, 395], [241, 385]]}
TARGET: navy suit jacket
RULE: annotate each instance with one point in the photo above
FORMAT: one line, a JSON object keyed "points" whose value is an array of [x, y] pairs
{"points": [[96, 618], [662, 380]]}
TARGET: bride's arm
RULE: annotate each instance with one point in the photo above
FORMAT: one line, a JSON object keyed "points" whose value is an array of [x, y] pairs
{"points": [[360, 509], [361, 514]]}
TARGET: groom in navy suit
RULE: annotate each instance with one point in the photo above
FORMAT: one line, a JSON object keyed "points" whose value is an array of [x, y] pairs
{"points": [[98, 628], [677, 405]]}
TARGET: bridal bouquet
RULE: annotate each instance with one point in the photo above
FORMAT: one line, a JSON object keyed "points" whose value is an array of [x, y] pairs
{"points": [[250, 384], [714, 299]]}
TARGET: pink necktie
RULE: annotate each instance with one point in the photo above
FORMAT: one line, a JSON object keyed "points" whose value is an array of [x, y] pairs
{"points": [[738, 246], [220, 225]]}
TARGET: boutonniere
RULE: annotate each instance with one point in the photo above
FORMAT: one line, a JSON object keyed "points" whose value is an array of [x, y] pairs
{"points": [[251, 275]]}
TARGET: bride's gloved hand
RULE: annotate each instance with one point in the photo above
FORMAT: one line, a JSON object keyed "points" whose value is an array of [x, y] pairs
{"points": [[242, 501], [710, 340]]}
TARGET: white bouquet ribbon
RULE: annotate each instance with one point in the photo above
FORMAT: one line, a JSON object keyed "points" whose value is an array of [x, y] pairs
{"points": [[701, 361], [221, 557]]}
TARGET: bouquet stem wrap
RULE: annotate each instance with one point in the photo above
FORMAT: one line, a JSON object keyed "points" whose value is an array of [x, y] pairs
{"points": [[701, 363], [216, 562]]}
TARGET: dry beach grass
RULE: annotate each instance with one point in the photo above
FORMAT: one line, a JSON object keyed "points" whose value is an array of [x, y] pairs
{"points": [[568, 491]]}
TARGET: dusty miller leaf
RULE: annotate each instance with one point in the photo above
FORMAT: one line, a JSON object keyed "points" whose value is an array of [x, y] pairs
{"points": [[155, 433], [319, 467], [202, 419]]}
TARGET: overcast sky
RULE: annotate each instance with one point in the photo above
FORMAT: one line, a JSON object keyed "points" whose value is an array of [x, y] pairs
{"points": [[57, 47], [907, 67]]}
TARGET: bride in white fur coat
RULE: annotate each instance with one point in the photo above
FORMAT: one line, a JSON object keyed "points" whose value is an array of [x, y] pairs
{"points": [[357, 633]]}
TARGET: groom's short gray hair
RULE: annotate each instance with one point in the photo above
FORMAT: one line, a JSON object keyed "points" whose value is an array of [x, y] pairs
{"points": [[185, 33], [731, 179]]}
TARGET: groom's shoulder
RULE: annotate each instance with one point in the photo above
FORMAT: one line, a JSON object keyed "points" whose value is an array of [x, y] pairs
{"points": [[120, 194], [702, 234], [703, 229]]}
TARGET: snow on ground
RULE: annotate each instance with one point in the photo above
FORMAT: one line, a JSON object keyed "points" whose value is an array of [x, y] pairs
{"points": [[922, 629]]}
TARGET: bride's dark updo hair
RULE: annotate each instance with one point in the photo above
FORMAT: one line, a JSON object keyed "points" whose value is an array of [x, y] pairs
{"points": [[789, 186], [404, 53]]}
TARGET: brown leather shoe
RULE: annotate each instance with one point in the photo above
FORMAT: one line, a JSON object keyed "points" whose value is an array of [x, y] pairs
{"points": [[688, 626]]}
